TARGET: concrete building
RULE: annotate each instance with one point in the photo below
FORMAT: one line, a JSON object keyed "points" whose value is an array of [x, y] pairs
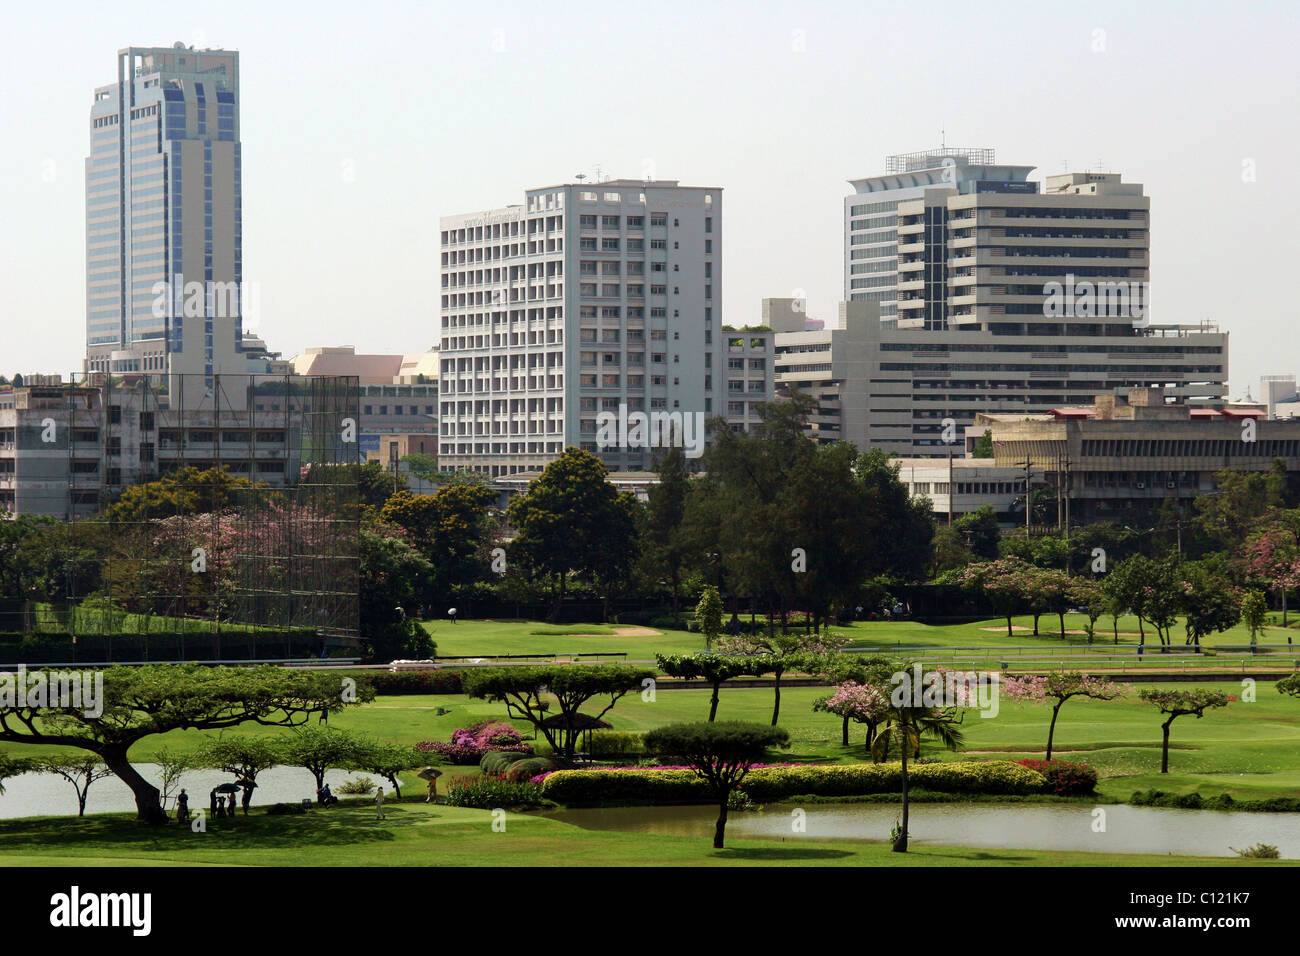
{"points": [[750, 374], [66, 449], [399, 393], [871, 214], [834, 365], [584, 299], [1122, 457], [1280, 396], [164, 227]]}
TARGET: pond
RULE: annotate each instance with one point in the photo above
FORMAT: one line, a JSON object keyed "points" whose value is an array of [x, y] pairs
{"points": [[47, 794], [1002, 826]]}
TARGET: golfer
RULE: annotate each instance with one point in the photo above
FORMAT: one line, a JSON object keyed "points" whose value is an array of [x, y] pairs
{"points": [[379, 804]]}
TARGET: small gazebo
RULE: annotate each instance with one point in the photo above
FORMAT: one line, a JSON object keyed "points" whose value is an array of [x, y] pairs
{"points": [[584, 723]]}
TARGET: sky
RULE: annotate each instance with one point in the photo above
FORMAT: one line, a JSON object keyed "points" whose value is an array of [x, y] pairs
{"points": [[363, 124]]}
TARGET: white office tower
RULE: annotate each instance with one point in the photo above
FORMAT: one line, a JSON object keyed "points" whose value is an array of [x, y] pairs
{"points": [[588, 302]]}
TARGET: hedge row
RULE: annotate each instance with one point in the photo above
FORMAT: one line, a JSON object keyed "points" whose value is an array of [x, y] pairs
{"points": [[162, 646], [1222, 801], [768, 784]]}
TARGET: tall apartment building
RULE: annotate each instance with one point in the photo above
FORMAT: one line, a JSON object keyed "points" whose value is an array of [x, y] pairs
{"points": [[585, 298], [164, 267], [871, 253]]}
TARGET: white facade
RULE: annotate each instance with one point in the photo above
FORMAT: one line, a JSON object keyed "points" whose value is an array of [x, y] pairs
{"points": [[586, 298]]}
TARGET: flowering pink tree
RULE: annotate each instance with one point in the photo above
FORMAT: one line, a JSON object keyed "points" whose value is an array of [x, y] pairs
{"points": [[861, 703], [1274, 558], [1004, 582], [1058, 687]]}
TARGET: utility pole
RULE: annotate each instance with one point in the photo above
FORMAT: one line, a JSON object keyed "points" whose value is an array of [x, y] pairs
{"points": [[952, 489]]}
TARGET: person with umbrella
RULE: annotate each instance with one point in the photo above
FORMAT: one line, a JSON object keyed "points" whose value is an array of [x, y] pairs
{"points": [[219, 801], [431, 775]]}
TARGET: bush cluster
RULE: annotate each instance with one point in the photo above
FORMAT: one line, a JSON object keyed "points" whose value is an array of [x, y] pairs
{"points": [[469, 744], [1222, 801], [487, 792], [767, 784], [1064, 779]]}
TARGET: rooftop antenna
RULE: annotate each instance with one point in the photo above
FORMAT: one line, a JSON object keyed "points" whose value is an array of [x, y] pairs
{"points": [[943, 138]]}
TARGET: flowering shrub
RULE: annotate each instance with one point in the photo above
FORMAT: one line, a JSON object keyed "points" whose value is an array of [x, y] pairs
{"points": [[1064, 779], [469, 744], [488, 792]]}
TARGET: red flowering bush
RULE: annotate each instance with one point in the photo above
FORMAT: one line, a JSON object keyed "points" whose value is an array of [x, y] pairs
{"points": [[1064, 779]]}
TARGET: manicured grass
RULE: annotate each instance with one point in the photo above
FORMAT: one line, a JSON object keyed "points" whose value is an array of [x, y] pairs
{"points": [[474, 638], [1249, 750], [416, 834]]}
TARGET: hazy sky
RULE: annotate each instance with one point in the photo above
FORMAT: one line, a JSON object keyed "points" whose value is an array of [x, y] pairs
{"points": [[440, 108]]}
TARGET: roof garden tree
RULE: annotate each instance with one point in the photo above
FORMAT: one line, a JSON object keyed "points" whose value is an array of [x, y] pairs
{"points": [[80, 770], [139, 702], [1058, 687], [1180, 703], [572, 520], [318, 749], [781, 652], [528, 693], [714, 668], [720, 754]]}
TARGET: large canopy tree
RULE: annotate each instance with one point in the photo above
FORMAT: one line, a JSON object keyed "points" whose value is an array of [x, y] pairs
{"points": [[154, 699], [720, 754], [528, 692], [714, 668]]}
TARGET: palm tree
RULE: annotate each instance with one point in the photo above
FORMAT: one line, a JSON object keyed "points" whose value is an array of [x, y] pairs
{"points": [[907, 724]]}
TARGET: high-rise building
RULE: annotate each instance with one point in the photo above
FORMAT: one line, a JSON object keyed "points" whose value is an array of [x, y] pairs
{"points": [[871, 253], [164, 270], [587, 300]]}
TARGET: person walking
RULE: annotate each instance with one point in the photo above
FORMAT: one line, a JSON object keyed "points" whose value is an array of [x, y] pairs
{"points": [[183, 807], [379, 804], [433, 791]]}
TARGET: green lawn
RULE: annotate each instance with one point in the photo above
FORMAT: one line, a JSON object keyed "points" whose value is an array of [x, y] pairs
{"points": [[473, 638], [415, 834]]}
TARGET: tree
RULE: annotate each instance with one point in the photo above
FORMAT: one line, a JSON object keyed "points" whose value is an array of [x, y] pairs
{"points": [[840, 668], [861, 703], [80, 770], [138, 702], [1004, 583], [524, 691], [980, 528], [1254, 613], [708, 615], [243, 756], [713, 668], [1091, 598], [12, 767], [667, 543], [720, 754], [907, 722], [1058, 686], [394, 577], [185, 491], [984, 445], [1273, 558], [1208, 601], [172, 766], [319, 749], [573, 520], [387, 760], [781, 652], [1179, 703]]}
